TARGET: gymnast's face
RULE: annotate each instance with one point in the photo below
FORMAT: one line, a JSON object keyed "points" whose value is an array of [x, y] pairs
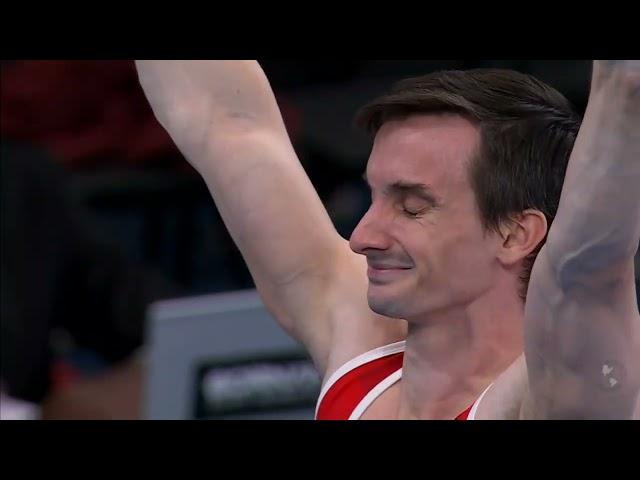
{"points": [[423, 237]]}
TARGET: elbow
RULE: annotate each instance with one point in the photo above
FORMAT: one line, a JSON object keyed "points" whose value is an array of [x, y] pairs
{"points": [[596, 265]]}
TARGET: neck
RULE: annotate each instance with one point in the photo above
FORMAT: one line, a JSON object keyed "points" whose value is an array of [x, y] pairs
{"points": [[451, 356]]}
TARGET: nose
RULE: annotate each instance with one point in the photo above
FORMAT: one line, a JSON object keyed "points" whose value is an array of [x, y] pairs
{"points": [[370, 233]]}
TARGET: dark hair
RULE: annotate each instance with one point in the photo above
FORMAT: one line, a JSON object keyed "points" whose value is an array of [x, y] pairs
{"points": [[527, 132]]}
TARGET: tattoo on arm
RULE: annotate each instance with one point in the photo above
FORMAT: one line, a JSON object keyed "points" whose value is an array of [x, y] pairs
{"points": [[611, 376]]}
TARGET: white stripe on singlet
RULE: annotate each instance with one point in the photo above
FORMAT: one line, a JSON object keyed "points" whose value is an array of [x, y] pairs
{"points": [[375, 393], [354, 363], [474, 409]]}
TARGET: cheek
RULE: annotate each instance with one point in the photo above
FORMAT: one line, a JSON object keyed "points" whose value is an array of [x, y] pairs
{"points": [[460, 248], [473, 261]]}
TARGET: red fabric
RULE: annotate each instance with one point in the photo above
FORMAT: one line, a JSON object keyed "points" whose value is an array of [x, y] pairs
{"points": [[464, 415], [87, 111], [348, 391], [345, 394]]}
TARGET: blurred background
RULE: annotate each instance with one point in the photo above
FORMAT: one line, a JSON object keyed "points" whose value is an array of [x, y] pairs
{"points": [[102, 218]]}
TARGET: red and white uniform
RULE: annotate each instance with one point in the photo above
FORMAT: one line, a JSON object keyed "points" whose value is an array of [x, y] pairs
{"points": [[356, 384]]}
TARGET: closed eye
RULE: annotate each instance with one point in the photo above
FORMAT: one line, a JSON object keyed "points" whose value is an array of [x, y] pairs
{"points": [[411, 214], [414, 206]]}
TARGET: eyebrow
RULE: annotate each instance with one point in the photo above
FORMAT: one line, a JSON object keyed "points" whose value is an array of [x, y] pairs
{"points": [[404, 188]]}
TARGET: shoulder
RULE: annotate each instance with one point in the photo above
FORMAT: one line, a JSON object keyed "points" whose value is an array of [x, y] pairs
{"points": [[504, 399]]}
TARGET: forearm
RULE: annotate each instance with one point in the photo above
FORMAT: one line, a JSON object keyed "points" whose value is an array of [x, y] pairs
{"points": [[199, 102], [598, 220], [269, 206]]}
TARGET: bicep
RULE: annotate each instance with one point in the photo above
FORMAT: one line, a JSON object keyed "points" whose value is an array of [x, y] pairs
{"points": [[301, 266], [582, 342]]}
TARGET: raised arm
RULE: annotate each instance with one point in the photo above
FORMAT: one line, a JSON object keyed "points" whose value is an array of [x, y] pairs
{"points": [[224, 118], [582, 328]]}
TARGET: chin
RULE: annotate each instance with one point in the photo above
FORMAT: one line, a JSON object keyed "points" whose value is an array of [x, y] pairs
{"points": [[405, 303], [386, 303]]}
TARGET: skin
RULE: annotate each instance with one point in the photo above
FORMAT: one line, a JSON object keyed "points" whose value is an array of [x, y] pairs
{"points": [[419, 267]]}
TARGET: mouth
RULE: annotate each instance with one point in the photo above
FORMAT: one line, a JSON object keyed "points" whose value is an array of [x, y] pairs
{"points": [[380, 274]]}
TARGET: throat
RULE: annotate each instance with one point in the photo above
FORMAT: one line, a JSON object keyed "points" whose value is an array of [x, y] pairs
{"points": [[445, 370]]}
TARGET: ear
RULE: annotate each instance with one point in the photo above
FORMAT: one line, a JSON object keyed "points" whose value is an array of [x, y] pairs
{"points": [[521, 235]]}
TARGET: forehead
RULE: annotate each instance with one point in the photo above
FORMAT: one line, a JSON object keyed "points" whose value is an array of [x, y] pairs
{"points": [[432, 149]]}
